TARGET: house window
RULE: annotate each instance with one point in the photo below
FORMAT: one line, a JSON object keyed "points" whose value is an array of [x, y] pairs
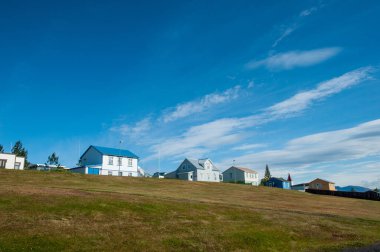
{"points": [[130, 162], [130, 174], [120, 173], [110, 160], [215, 177], [109, 173], [3, 162], [120, 161], [17, 165]]}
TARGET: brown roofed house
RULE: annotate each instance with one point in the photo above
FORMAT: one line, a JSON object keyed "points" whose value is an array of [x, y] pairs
{"points": [[321, 184], [244, 175]]}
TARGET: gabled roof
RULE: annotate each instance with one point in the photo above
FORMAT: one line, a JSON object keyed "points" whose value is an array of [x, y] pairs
{"points": [[112, 152], [322, 180], [280, 179], [199, 164], [302, 184], [244, 169]]}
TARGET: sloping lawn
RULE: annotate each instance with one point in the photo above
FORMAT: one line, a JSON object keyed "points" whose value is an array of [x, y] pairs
{"points": [[42, 211]]}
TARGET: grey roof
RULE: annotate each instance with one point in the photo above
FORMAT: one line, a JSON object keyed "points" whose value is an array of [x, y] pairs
{"points": [[199, 164], [243, 169]]}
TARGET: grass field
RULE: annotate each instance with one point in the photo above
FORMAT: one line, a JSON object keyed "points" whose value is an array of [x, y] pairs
{"points": [[42, 211]]}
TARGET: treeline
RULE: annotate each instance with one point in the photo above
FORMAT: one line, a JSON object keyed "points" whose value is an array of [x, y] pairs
{"points": [[19, 150]]}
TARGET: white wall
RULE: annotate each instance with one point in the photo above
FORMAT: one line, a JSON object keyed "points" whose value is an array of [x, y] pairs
{"points": [[236, 175], [124, 167], [21, 160], [11, 160], [208, 175]]}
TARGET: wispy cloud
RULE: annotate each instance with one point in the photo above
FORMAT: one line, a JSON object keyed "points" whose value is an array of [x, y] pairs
{"points": [[133, 131], [302, 100], [204, 138], [143, 127], [245, 147], [361, 141], [207, 101], [290, 28], [284, 34], [308, 12], [293, 59]]}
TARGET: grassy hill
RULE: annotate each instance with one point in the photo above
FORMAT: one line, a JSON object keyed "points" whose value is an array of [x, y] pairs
{"points": [[53, 211]]}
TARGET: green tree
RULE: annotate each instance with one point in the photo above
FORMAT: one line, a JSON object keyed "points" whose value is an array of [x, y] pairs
{"points": [[267, 176], [53, 159], [20, 151], [1, 149], [267, 173]]}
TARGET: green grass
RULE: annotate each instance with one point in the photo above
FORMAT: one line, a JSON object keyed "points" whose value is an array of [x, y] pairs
{"points": [[42, 211]]}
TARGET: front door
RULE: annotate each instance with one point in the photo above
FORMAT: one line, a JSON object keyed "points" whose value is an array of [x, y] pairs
{"points": [[93, 171]]}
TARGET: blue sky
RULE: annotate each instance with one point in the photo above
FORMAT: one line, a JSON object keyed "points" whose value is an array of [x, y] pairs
{"points": [[291, 84]]}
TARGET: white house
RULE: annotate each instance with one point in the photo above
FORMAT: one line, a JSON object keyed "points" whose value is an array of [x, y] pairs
{"points": [[241, 175], [196, 170], [159, 175], [11, 161], [45, 167], [98, 160]]}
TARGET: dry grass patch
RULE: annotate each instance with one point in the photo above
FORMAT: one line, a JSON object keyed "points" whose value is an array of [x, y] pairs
{"points": [[65, 212]]}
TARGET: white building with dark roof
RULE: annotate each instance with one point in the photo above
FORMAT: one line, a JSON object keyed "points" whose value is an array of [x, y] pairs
{"points": [[197, 170], [97, 160], [241, 175]]}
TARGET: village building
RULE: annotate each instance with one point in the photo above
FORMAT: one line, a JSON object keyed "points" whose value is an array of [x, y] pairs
{"points": [[11, 161], [300, 187], [278, 183], [159, 175], [97, 160], [321, 184], [196, 170], [45, 167], [241, 175]]}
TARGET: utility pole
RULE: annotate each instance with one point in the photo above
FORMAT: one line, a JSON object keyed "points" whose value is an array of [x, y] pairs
{"points": [[119, 159]]}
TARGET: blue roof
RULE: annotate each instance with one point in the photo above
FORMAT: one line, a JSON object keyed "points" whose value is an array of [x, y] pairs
{"points": [[115, 152]]}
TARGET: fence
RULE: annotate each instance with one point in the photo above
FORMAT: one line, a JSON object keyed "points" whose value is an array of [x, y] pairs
{"points": [[370, 195]]}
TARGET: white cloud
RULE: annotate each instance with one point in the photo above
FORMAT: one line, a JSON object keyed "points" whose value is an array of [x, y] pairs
{"points": [[354, 143], [207, 101], [284, 34], [290, 28], [308, 12], [198, 140], [293, 59], [204, 138], [142, 127], [245, 147], [302, 100], [133, 131]]}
